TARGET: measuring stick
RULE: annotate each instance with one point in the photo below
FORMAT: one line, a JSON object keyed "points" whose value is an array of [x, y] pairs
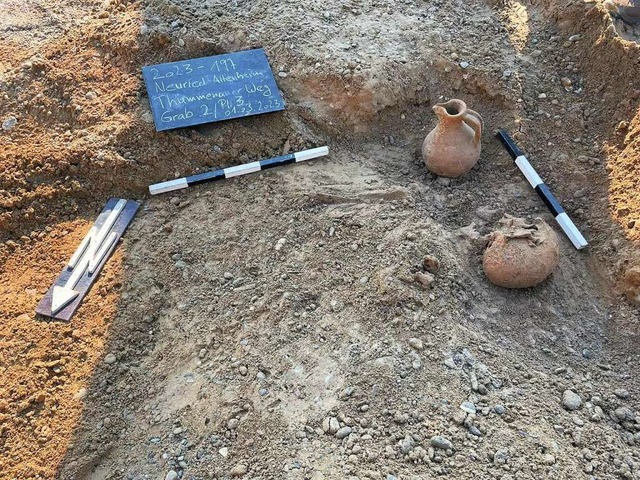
{"points": [[539, 186], [238, 170]]}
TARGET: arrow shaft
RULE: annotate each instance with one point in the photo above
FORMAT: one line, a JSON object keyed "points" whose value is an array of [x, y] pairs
{"points": [[93, 241]]}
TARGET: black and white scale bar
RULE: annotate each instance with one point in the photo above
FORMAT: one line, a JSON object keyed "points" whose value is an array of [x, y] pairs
{"points": [[543, 191], [238, 170]]}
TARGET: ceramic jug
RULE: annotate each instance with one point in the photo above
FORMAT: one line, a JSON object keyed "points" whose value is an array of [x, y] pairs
{"points": [[452, 148]]}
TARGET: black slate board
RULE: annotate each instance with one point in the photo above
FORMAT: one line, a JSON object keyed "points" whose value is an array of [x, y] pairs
{"points": [[211, 89]]}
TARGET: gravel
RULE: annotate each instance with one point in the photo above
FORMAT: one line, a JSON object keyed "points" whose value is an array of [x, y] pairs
{"points": [[571, 400], [110, 359], [439, 441], [171, 475]]}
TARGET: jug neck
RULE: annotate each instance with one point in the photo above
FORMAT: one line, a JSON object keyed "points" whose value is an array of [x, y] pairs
{"points": [[452, 111]]}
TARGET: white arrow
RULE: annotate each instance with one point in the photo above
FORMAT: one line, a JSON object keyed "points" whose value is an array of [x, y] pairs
{"points": [[87, 258]]}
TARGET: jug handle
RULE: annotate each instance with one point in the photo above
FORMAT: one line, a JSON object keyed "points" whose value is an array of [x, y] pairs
{"points": [[474, 120]]}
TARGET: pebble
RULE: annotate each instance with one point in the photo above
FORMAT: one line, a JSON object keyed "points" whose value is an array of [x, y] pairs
{"points": [[331, 425], [80, 394], [464, 64], [621, 393], [232, 424], [239, 470], [500, 457], [431, 264], [172, 475], [406, 444], [243, 370], [624, 414], [344, 432], [444, 181], [263, 392], [548, 459], [416, 344], [468, 407], [364, 280], [228, 276], [280, 243], [9, 123], [566, 82], [439, 441], [475, 431], [224, 451], [91, 95], [110, 358], [571, 400]]}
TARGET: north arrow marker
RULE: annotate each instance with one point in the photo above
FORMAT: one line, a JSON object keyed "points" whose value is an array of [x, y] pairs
{"points": [[88, 255]]}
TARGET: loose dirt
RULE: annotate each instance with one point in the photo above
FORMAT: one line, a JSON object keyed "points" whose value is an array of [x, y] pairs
{"points": [[328, 320]]}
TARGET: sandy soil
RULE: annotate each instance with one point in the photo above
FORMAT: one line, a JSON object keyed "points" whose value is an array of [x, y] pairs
{"points": [[253, 318]]}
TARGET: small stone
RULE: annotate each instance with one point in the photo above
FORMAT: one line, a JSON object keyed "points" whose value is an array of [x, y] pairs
{"points": [[548, 459], [110, 358], [228, 276], [81, 394], [224, 451], [542, 96], [364, 280], [459, 417], [232, 424], [91, 95], [444, 181], [283, 74], [239, 470], [280, 243], [424, 278], [439, 441], [566, 82], [144, 29], [9, 123], [624, 414], [473, 430], [500, 457], [243, 370], [263, 392], [464, 64], [468, 407], [344, 432], [499, 409], [171, 475], [177, 430], [416, 344], [621, 393], [431, 264], [406, 444], [571, 400], [334, 425]]}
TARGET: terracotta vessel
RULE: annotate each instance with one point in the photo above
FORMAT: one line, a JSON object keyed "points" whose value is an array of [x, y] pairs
{"points": [[521, 254], [453, 147]]}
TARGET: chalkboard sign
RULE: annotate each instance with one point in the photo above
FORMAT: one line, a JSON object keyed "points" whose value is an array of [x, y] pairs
{"points": [[211, 89]]}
